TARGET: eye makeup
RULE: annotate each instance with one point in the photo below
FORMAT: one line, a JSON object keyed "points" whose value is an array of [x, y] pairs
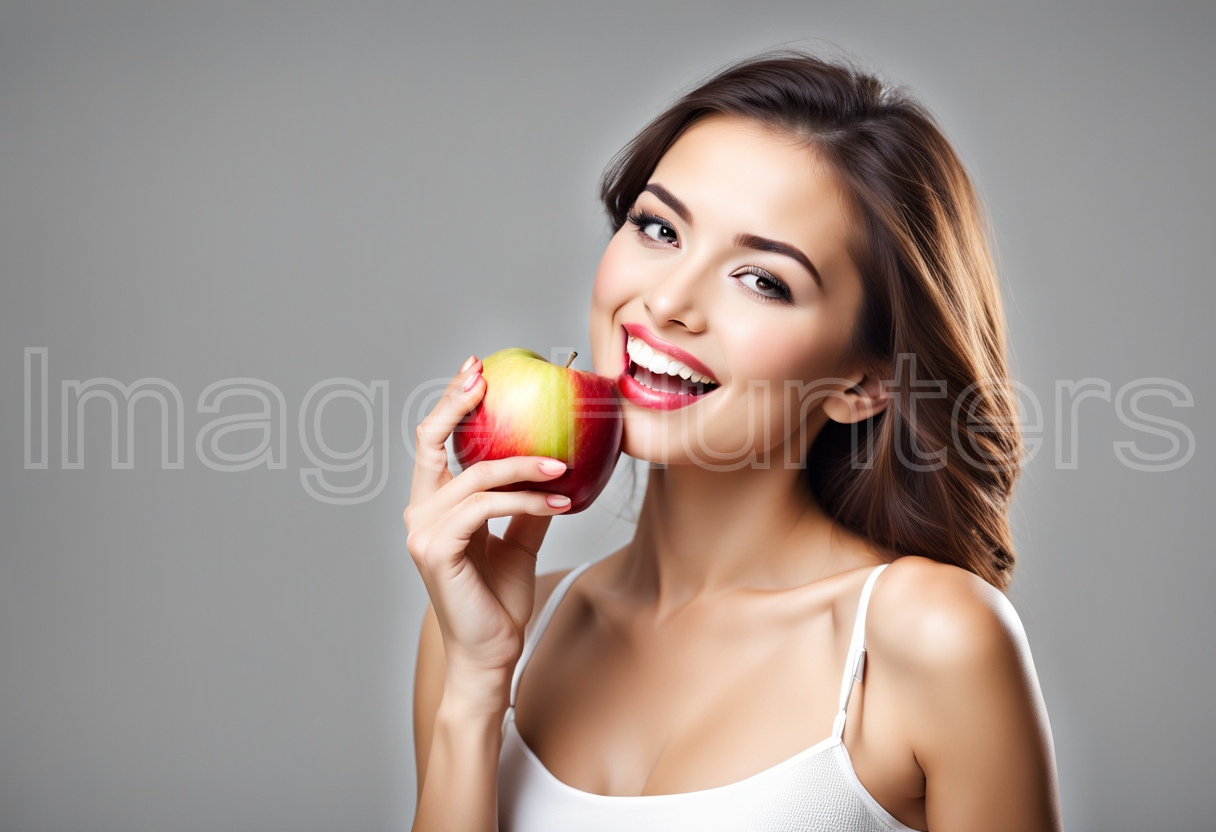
{"points": [[642, 220]]}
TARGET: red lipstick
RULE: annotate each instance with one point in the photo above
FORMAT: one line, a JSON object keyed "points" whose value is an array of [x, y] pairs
{"points": [[647, 396], [639, 331]]}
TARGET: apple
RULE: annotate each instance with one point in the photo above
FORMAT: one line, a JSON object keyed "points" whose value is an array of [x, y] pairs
{"points": [[534, 407]]}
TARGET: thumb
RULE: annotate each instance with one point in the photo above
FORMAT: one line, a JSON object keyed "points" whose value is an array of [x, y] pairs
{"points": [[527, 532]]}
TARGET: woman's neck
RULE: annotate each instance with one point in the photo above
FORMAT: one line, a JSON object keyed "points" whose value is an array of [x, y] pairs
{"points": [[702, 532]]}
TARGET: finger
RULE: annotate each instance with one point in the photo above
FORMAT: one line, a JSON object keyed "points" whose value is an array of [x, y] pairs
{"points": [[462, 522], [527, 532], [480, 538], [431, 453], [495, 473]]}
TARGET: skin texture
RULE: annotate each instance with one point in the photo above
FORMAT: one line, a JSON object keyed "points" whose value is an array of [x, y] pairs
{"points": [[711, 646]]}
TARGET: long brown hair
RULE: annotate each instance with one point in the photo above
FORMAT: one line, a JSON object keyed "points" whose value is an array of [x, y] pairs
{"points": [[925, 476]]}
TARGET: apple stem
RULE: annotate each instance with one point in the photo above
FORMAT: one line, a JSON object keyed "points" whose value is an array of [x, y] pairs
{"points": [[573, 355]]}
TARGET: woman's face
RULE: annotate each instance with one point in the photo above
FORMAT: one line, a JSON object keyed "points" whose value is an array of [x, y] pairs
{"points": [[683, 274]]}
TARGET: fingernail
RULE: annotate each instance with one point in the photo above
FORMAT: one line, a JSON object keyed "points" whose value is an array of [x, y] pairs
{"points": [[468, 385], [552, 466], [557, 500], [468, 362]]}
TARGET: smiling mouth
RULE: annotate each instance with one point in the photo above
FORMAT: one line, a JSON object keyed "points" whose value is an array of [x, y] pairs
{"points": [[667, 382]]}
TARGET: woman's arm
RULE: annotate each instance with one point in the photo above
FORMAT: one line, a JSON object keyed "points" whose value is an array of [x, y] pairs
{"points": [[457, 739], [469, 741], [428, 690], [969, 697]]}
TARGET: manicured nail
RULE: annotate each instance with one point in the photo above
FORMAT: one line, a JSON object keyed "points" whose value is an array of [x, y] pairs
{"points": [[468, 362], [468, 385], [557, 500], [552, 466]]}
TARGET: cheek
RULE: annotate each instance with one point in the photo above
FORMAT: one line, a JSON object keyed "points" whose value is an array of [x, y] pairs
{"points": [[801, 351], [613, 287], [782, 365], [614, 279]]}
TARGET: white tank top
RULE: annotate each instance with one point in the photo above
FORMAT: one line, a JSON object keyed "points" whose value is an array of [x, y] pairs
{"points": [[816, 790]]}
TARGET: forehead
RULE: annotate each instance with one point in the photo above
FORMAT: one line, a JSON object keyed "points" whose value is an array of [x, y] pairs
{"points": [[743, 176]]}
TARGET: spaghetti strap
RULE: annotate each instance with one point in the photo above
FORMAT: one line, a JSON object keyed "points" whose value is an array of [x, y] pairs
{"points": [[541, 622], [854, 665]]}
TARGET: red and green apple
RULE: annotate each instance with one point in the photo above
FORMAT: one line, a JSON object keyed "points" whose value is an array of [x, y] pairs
{"points": [[533, 407]]}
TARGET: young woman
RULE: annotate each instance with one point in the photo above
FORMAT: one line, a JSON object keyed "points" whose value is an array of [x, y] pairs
{"points": [[807, 631]]}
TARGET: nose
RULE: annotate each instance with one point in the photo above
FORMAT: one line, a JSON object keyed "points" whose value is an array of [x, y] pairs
{"points": [[674, 298]]}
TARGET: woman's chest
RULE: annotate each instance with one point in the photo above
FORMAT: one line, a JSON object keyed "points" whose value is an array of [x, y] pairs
{"points": [[613, 704], [642, 709]]}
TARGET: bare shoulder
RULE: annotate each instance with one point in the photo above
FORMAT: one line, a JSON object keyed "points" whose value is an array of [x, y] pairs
{"points": [[951, 653], [927, 617]]}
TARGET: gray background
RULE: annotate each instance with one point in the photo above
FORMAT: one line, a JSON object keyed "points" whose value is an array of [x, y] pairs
{"points": [[297, 192]]}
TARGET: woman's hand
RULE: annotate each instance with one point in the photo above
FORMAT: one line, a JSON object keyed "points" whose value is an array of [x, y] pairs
{"points": [[481, 586]]}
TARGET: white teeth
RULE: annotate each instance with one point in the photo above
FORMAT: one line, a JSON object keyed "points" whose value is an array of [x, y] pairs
{"points": [[639, 351], [646, 356]]}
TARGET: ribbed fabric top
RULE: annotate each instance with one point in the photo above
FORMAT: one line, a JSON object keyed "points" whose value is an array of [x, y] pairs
{"points": [[816, 790]]}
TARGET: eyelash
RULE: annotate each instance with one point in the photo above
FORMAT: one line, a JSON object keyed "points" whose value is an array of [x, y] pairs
{"points": [[640, 219]]}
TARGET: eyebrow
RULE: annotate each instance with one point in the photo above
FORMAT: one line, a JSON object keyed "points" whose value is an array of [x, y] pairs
{"points": [[752, 241]]}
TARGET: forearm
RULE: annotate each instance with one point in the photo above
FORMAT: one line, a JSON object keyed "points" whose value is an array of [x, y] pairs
{"points": [[460, 786]]}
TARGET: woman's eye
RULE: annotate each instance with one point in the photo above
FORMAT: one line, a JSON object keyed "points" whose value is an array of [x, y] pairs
{"points": [[651, 226], [764, 284]]}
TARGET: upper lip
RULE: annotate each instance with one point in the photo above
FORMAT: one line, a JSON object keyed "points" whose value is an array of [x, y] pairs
{"points": [[639, 331]]}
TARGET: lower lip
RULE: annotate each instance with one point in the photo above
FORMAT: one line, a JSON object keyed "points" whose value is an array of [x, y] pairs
{"points": [[647, 397]]}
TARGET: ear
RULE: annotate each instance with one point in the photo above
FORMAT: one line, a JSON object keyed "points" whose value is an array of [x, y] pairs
{"points": [[863, 400]]}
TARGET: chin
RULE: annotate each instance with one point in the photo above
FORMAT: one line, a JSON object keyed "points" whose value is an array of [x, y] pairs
{"points": [[648, 439], [665, 442]]}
